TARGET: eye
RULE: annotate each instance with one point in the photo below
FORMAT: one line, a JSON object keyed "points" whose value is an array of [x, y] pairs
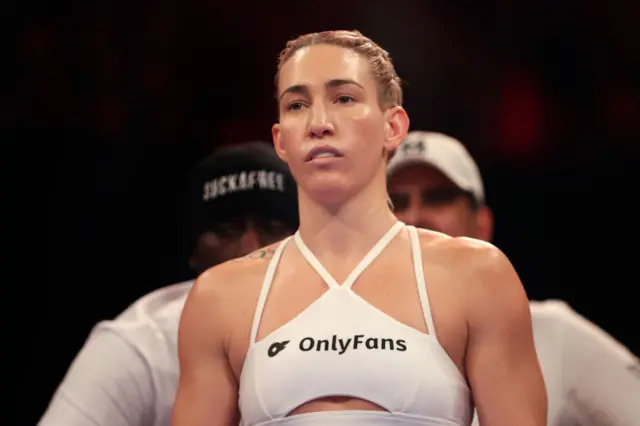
{"points": [[344, 99], [294, 106]]}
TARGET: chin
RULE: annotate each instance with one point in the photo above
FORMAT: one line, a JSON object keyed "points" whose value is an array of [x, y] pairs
{"points": [[328, 189]]}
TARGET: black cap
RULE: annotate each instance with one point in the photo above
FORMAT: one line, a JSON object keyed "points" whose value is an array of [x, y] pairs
{"points": [[240, 179]]}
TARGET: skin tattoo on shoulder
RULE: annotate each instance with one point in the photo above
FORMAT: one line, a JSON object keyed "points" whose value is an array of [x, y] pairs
{"points": [[265, 253]]}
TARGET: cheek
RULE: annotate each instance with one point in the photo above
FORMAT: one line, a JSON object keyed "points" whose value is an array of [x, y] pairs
{"points": [[292, 133], [368, 132], [365, 118]]}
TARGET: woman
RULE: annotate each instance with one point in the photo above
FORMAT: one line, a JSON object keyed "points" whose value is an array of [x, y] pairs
{"points": [[357, 319]]}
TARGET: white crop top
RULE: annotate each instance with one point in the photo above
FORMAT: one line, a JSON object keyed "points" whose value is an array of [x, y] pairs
{"points": [[341, 345]]}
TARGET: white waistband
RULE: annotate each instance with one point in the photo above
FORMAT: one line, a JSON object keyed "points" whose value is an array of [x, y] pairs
{"points": [[356, 418]]}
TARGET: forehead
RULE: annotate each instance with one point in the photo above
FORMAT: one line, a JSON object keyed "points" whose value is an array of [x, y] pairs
{"points": [[421, 175], [317, 64]]}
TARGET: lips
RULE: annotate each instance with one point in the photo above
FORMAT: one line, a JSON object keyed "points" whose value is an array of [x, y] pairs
{"points": [[324, 151]]}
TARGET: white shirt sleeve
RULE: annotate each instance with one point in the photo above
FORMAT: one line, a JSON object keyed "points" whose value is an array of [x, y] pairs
{"points": [[600, 377], [108, 384]]}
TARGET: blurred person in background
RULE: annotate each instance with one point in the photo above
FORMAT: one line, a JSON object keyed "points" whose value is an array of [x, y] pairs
{"points": [[240, 198], [591, 379]]}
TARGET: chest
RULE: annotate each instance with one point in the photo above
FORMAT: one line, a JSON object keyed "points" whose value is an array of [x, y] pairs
{"points": [[383, 286], [386, 289]]}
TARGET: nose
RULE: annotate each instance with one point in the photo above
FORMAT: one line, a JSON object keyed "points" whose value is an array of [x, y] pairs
{"points": [[250, 241], [320, 125]]}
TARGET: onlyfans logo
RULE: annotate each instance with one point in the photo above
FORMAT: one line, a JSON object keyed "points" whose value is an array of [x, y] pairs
{"points": [[341, 345]]}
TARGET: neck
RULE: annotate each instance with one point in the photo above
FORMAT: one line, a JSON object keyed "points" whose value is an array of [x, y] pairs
{"points": [[350, 228]]}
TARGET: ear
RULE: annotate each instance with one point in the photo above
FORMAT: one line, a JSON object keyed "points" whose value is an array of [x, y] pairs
{"points": [[396, 127], [484, 224], [275, 135]]}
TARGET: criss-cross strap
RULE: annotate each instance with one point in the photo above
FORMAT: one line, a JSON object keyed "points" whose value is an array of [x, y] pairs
{"points": [[266, 285], [420, 280], [364, 263]]}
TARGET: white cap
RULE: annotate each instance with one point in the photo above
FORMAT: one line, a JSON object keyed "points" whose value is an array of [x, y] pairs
{"points": [[444, 153]]}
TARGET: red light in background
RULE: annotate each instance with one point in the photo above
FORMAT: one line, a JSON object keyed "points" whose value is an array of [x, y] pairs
{"points": [[520, 116]]}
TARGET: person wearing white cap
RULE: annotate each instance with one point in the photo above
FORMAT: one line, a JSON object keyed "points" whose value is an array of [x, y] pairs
{"points": [[591, 379], [435, 184]]}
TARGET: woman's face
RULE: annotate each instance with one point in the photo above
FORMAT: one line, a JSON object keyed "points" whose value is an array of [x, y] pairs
{"points": [[332, 131]]}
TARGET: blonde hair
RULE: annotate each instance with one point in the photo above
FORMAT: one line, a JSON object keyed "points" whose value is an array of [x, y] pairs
{"points": [[384, 73]]}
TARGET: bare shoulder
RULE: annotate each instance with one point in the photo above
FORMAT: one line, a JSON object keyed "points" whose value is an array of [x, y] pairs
{"points": [[222, 292], [228, 273], [235, 276], [474, 255], [487, 276]]}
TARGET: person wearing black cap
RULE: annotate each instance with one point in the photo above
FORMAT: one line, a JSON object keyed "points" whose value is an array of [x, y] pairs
{"points": [[240, 198]]}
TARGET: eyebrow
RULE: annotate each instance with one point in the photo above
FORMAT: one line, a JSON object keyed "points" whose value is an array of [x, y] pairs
{"points": [[331, 84]]}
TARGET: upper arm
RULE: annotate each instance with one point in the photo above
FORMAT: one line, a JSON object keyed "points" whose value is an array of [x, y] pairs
{"points": [[108, 383], [207, 389], [501, 361], [600, 377]]}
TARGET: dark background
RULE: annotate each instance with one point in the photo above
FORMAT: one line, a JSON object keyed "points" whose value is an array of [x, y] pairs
{"points": [[107, 105]]}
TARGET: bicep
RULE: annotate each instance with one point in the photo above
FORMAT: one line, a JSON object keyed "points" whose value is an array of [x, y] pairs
{"points": [[601, 378], [207, 389], [502, 365], [108, 383]]}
